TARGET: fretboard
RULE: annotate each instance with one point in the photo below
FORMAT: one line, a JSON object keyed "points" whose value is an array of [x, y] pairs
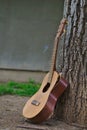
{"points": [[53, 60], [54, 55]]}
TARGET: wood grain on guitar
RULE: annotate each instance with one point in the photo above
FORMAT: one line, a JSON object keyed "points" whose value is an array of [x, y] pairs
{"points": [[41, 105]]}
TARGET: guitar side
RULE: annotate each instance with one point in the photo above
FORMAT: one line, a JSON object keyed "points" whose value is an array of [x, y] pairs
{"points": [[49, 107]]}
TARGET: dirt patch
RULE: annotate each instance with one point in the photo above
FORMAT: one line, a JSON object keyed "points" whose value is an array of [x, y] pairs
{"points": [[11, 116]]}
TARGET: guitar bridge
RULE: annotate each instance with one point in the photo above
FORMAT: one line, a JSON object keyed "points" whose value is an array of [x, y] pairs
{"points": [[35, 102]]}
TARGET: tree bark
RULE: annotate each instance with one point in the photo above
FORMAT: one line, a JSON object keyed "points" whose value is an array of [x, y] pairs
{"points": [[72, 106]]}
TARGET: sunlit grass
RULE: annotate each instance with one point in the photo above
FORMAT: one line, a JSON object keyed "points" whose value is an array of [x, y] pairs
{"points": [[21, 89]]}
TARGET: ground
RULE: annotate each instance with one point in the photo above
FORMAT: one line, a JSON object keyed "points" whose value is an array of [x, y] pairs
{"points": [[11, 116]]}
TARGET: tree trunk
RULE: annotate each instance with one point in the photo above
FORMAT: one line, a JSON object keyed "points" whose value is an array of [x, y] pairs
{"points": [[72, 105]]}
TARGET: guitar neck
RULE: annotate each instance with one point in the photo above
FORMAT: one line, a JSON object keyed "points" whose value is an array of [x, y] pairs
{"points": [[54, 55], [53, 60]]}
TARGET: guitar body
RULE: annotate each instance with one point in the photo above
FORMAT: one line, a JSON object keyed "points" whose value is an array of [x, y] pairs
{"points": [[41, 106]]}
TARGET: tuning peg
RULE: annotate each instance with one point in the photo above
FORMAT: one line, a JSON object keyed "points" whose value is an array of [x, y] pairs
{"points": [[64, 31], [66, 21]]}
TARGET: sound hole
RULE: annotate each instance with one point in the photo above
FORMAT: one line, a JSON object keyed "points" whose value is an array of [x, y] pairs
{"points": [[46, 87]]}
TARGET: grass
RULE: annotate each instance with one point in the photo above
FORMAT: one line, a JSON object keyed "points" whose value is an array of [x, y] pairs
{"points": [[21, 89]]}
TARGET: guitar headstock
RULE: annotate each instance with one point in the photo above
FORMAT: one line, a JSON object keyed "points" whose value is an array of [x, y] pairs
{"points": [[61, 27]]}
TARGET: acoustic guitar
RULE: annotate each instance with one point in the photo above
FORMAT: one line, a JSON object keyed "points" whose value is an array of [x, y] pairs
{"points": [[41, 105]]}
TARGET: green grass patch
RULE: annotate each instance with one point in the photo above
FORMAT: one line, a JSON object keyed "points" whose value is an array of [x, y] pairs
{"points": [[21, 89]]}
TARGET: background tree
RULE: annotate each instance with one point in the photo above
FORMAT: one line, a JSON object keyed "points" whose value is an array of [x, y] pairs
{"points": [[72, 105]]}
